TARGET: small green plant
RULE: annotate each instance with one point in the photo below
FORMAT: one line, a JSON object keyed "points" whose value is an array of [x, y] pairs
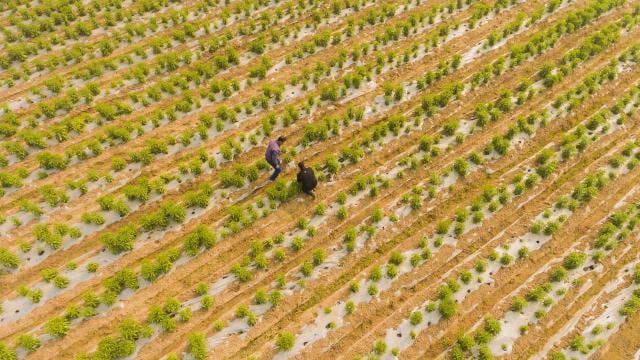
{"points": [[28, 342], [574, 260], [285, 341], [218, 325], [342, 213], [201, 289], [415, 318], [206, 302], [349, 307], [372, 290], [380, 347], [57, 326], [198, 346]]}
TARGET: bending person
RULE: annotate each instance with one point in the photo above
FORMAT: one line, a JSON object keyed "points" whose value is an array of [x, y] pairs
{"points": [[307, 178]]}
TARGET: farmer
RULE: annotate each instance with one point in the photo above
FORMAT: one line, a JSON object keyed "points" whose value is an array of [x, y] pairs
{"points": [[307, 179], [273, 156]]}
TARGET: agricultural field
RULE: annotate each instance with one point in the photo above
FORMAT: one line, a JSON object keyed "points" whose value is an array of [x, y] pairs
{"points": [[477, 162]]}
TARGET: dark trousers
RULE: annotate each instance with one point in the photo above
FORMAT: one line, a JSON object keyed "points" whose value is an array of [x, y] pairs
{"points": [[276, 171]]}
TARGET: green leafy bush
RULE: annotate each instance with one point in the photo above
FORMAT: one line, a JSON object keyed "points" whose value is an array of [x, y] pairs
{"points": [[162, 264], [164, 316], [111, 347], [8, 259], [50, 160], [160, 219], [121, 240], [123, 279], [380, 347], [199, 198], [492, 326], [197, 346], [28, 342], [285, 341], [202, 236], [415, 318], [558, 274], [447, 307], [574, 260], [7, 353], [92, 267], [92, 218], [133, 330], [275, 297], [57, 326]]}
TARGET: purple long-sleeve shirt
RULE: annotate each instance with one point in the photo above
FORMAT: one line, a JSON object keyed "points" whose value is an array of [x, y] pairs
{"points": [[272, 154]]}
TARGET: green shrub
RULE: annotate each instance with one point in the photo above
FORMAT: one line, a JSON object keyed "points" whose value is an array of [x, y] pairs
{"points": [[162, 264], [466, 277], [206, 302], [461, 167], [118, 164], [558, 274], [60, 282], [201, 289], [285, 341], [198, 346], [91, 300], [7, 353], [8, 259], [447, 307], [484, 353], [121, 240], [92, 267], [415, 318], [202, 236], [380, 347], [574, 260], [111, 347], [350, 306], [185, 314], [443, 227], [481, 266], [492, 326], [376, 274], [465, 342], [133, 330], [275, 298], [28, 342], [123, 279], [631, 306], [518, 304], [160, 219], [372, 290], [57, 326], [50, 160], [506, 259], [307, 268], [241, 272], [30, 207], [92, 218], [342, 213]]}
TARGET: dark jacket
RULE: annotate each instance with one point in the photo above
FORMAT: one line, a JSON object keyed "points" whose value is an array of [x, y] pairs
{"points": [[307, 178]]}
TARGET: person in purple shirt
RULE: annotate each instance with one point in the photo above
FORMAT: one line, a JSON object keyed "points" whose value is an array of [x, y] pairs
{"points": [[272, 155]]}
